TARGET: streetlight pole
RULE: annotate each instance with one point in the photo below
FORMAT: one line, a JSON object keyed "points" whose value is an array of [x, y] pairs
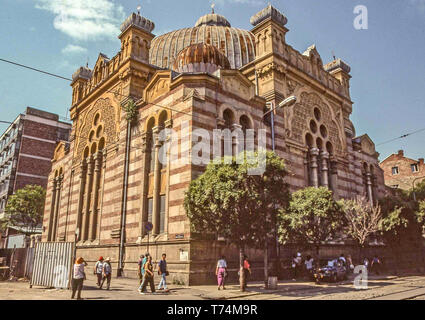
{"points": [[288, 102]]}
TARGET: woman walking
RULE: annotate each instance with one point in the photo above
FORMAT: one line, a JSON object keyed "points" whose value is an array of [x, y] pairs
{"points": [[98, 267], [148, 276], [221, 272], [78, 277]]}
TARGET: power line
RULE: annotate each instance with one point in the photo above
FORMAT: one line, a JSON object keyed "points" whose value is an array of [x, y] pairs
{"points": [[67, 79], [401, 137], [34, 69]]}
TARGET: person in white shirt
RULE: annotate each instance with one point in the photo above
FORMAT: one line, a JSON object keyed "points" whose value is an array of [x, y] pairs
{"points": [[221, 272], [78, 276], [98, 268], [309, 265]]}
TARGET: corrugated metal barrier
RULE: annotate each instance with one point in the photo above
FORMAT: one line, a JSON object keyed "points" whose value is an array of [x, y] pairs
{"points": [[52, 264]]}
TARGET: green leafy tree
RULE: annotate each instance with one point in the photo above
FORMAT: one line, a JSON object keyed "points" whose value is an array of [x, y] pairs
{"points": [[313, 217], [400, 225], [25, 207], [130, 109], [420, 215], [362, 220], [229, 201]]}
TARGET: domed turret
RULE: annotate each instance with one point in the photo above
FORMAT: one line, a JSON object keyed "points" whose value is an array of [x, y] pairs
{"points": [[200, 57], [138, 21], [237, 45], [213, 19]]}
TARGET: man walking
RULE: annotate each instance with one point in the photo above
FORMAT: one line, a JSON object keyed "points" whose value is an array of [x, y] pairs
{"points": [[140, 268], [142, 272], [98, 270], [148, 276], [162, 271], [107, 273]]}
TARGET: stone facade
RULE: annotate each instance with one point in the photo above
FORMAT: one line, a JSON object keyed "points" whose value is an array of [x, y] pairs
{"points": [[401, 172], [105, 188]]}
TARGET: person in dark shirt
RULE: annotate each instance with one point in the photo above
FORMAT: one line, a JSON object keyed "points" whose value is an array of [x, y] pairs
{"points": [[162, 271]]}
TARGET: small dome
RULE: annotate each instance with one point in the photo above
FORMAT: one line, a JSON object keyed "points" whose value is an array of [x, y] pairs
{"points": [[138, 21], [213, 19], [269, 12], [82, 73], [200, 57]]}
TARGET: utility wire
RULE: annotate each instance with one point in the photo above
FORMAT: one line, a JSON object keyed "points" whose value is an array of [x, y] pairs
{"points": [[161, 106], [67, 79], [401, 137], [34, 69]]}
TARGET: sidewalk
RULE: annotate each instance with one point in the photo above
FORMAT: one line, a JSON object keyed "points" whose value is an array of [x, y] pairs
{"points": [[286, 287], [126, 289]]}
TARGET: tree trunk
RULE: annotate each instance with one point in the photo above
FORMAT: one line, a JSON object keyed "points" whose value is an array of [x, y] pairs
{"points": [[241, 271]]}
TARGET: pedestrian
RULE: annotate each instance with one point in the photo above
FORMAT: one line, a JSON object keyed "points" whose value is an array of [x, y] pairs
{"points": [[375, 265], [294, 267], [139, 268], [221, 272], [246, 271], [107, 273], [350, 263], [98, 267], [148, 276], [142, 271], [342, 259], [163, 272], [309, 266], [366, 264], [298, 265], [78, 277]]}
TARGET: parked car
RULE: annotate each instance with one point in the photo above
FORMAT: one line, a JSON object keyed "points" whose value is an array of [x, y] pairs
{"points": [[334, 271]]}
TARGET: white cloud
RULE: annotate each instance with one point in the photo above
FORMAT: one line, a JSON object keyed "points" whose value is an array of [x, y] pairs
{"points": [[85, 19], [73, 49]]}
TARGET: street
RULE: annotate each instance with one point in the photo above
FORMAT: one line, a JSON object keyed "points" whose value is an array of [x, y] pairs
{"points": [[379, 288]]}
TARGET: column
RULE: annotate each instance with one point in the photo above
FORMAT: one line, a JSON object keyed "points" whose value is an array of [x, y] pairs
{"points": [[143, 208], [334, 177], [369, 186], [238, 141], [81, 196], [325, 178], [86, 213], [314, 152], [52, 211], [94, 203], [157, 183], [56, 208]]}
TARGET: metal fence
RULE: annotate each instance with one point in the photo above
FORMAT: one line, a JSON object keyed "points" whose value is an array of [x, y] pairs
{"points": [[52, 264]]}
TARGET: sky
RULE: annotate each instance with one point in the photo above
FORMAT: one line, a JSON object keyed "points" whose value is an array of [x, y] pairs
{"points": [[387, 59]]}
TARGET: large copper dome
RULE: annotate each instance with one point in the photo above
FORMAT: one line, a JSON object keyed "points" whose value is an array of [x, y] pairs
{"points": [[200, 57], [236, 44]]}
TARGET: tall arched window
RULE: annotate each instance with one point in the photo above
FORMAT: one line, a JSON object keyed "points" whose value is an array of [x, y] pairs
{"points": [[91, 181]]}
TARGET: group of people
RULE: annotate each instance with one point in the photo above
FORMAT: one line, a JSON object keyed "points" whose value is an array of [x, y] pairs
{"points": [[102, 269], [221, 272], [374, 266], [146, 273], [103, 272], [305, 267]]}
